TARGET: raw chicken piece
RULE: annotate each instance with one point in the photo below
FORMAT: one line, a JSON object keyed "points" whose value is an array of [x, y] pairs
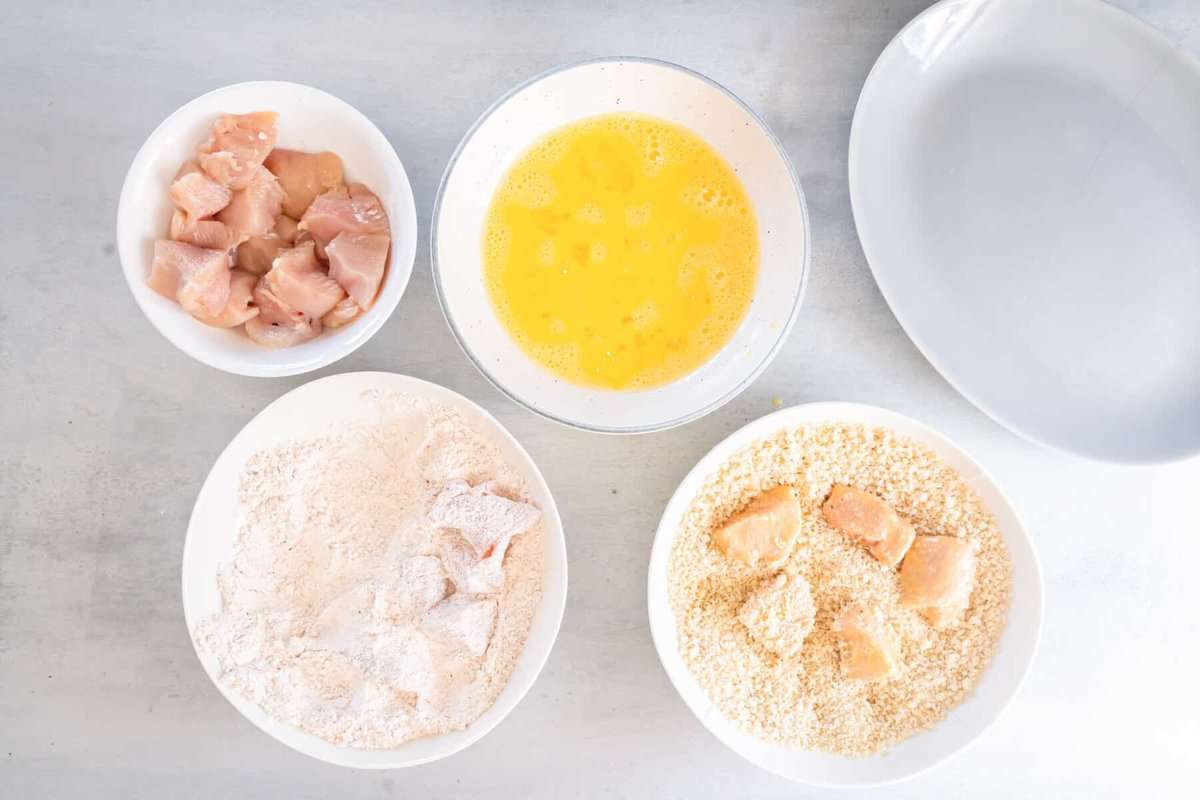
{"points": [[345, 311], [357, 262], [252, 211], [484, 518], [187, 168], [352, 210], [303, 236], [256, 253], [236, 145], [226, 169], [285, 228], [275, 334], [401, 661], [780, 614], [303, 176], [297, 280], [196, 277], [240, 306], [199, 196], [868, 652], [462, 623], [202, 232], [764, 531], [937, 576], [868, 520]]}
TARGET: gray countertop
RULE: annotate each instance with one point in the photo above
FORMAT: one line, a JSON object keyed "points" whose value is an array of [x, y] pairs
{"points": [[106, 431]]}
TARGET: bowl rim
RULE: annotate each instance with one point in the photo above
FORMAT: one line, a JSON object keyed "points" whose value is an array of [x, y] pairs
{"points": [[546, 603], [814, 413], [862, 231], [750, 377], [368, 328]]}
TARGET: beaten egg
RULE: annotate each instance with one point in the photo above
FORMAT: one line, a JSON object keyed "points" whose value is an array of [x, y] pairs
{"points": [[620, 252]]}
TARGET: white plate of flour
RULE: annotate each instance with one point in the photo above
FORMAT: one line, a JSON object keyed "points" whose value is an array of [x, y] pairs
{"points": [[1025, 177], [1000, 679], [388, 434]]}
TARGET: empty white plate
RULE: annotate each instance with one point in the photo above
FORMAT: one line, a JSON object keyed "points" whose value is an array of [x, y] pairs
{"points": [[1025, 176]]}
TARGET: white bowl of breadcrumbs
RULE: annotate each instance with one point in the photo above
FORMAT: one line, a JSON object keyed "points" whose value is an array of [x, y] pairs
{"points": [[799, 716]]}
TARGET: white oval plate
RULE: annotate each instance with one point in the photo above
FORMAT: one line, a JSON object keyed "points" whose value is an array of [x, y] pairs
{"points": [[318, 409], [1025, 177], [309, 119], [1000, 681], [558, 98]]}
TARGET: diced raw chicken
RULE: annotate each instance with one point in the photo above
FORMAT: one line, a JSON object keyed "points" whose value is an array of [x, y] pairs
{"points": [[285, 228], [870, 521], [237, 144], [352, 210], [276, 334], [483, 517], [202, 232], [256, 253], [187, 168], [252, 211], [357, 262], [303, 236], [278, 324], [937, 576], [240, 306], [462, 623], [780, 614], [226, 168], [298, 281], [199, 196], [468, 572], [195, 277], [867, 649], [303, 176], [345, 311], [764, 532]]}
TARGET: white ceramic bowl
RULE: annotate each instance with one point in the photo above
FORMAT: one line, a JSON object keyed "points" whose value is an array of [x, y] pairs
{"points": [[311, 120], [558, 98], [1025, 178], [317, 409], [965, 723]]}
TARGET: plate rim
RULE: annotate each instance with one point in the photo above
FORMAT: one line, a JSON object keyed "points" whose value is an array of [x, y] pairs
{"points": [[905, 321]]}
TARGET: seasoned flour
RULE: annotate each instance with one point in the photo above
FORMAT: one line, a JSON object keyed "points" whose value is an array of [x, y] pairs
{"points": [[343, 613]]}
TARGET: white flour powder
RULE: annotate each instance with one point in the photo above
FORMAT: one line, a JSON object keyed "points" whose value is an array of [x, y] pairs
{"points": [[351, 613]]}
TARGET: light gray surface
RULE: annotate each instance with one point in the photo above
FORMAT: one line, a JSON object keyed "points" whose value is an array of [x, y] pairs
{"points": [[106, 431]]}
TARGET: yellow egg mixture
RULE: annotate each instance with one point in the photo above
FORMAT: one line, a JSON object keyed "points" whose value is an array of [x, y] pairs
{"points": [[621, 252]]}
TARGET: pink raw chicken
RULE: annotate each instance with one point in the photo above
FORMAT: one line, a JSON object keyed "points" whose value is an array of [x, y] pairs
{"points": [[252, 211], [256, 253], [285, 228], [297, 280], [202, 232], [240, 306], [280, 334], [345, 311], [357, 262], [237, 144], [355, 209], [198, 195], [303, 176], [196, 277]]}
